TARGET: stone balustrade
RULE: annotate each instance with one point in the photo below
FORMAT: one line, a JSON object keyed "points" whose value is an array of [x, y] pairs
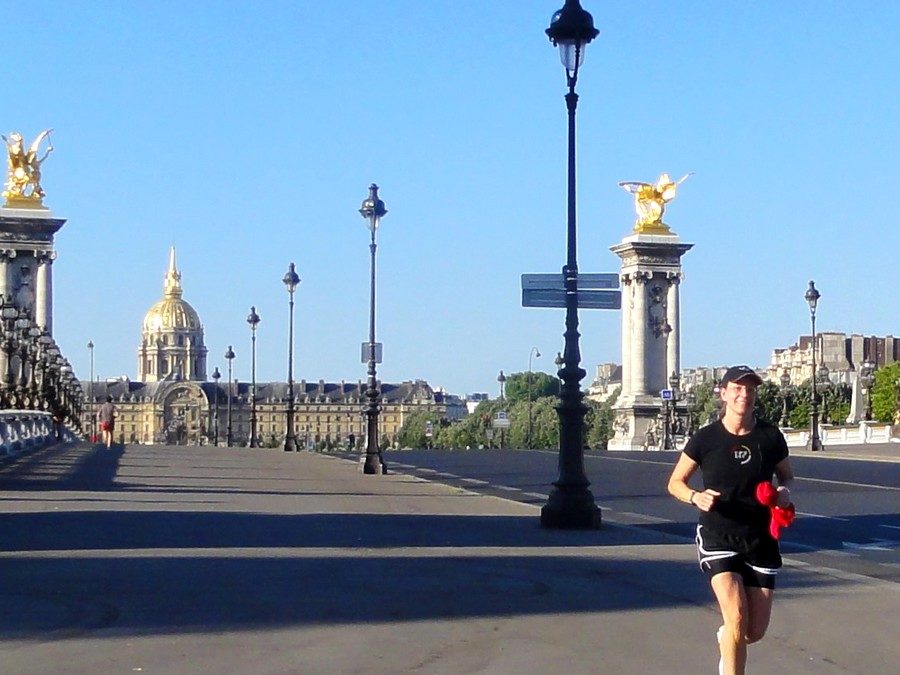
{"points": [[22, 430], [857, 434]]}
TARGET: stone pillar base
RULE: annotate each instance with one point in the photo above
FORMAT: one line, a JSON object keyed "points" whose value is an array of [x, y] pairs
{"points": [[637, 425]]}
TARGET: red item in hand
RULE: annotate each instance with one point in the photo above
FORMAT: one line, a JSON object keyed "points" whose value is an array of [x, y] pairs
{"points": [[767, 495]]}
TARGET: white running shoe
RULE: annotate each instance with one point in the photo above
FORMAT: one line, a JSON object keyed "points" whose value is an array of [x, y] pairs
{"points": [[719, 642]]}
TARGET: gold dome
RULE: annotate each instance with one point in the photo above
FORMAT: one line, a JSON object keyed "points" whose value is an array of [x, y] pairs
{"points": [[171, 314]]}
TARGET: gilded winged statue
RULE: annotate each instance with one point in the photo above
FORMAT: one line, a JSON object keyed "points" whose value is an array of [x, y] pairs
{"points": [[650, 201], [23, 178]]}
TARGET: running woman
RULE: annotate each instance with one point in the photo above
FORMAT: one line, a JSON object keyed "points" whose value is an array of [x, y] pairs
{"points": [[735, 548]]}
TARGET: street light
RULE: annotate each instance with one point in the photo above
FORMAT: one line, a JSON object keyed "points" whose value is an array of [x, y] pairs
{"points": [[812, 298], [229, 439], [215, 424], [290, 279], [571, 504], [785, 382], [372, 210], [90, 346], [825, 386], [534, 352], [253, 320], [867, 379], [501, 378], [674, 383], [558, 362]]}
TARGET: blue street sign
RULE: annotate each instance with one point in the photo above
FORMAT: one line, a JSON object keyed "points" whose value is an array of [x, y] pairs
{"points": [[666, 394]]}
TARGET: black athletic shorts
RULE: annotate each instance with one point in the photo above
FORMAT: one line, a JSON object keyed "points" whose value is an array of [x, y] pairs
{"points": [[756, 559]]}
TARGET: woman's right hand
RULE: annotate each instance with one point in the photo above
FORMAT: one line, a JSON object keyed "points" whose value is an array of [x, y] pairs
{"points": [[706, 500]]}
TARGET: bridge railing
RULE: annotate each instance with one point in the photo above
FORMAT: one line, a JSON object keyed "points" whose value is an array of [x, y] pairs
{"points": [[22, 430]]}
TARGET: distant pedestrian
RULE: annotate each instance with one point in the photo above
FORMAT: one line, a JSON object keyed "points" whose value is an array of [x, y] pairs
{"points": [[106, 417], [736, 549]]}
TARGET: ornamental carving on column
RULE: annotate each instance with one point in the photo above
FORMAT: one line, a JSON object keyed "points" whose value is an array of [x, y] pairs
{"points": [[656, 311]]}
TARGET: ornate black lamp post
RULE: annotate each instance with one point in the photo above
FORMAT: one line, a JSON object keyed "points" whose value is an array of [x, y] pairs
{"points": [[291, 279], [90, 346], [535, 352], [824, 384], [815, 444], [866, 380], [674, 384], [215, 420], [558, 362], [229, 439], [372, 210], [571, 504], [9, 313], [253, 320], [785, 386]]}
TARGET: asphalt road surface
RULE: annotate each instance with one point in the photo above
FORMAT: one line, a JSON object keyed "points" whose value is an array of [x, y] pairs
{"points": [[848, 515]]}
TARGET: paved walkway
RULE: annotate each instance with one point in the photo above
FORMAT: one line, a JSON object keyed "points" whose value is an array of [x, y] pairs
{"points": [[214, 560]]}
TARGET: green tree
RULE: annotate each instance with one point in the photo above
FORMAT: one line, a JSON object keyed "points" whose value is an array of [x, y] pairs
{"points": [[768, 402], [886, 393], [542, 384], [412, 433], [598, 423]]}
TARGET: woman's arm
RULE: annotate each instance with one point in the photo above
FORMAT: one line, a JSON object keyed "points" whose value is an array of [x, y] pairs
{"points": [[785, 475], [678, 485]]}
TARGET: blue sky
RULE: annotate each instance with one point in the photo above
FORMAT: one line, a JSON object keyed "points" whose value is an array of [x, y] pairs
{"points": [[246, 134]]}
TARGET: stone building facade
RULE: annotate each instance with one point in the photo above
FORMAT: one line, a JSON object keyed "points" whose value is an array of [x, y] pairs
{"points": [[842, 354], [172, 401]]}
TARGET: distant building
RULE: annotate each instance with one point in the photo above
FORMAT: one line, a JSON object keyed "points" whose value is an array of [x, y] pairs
{"points": [[173, 403], [472, 401], [607, 380], [843, 355]]}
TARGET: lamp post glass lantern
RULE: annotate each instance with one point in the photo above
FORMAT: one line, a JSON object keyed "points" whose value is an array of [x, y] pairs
{"points": [[372, 210], [229, 438], [812, 296], [253, 321], [571, 504], [291, 279]]}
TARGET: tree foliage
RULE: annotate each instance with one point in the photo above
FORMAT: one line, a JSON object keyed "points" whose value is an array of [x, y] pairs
{"points": [[886, 393], [542, 384], [476, 430]]}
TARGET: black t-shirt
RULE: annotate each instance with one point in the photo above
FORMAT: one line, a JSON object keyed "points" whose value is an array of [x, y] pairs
{"points": [[734, 466]]}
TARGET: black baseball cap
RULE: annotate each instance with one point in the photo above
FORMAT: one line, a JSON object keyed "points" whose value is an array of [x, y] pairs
{"points": [[738, 373]]}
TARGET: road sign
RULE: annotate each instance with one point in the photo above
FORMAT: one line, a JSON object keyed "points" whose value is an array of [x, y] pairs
{"points": [[666, 394], [365, 351], [557, 281], [500, 421], [556, 297]]}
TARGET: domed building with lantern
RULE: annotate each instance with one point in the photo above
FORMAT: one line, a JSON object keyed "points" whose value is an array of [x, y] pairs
{"points": [[173, 402]]}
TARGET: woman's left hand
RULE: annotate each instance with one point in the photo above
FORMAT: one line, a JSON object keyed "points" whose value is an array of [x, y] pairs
{"points": [[784, 497]]}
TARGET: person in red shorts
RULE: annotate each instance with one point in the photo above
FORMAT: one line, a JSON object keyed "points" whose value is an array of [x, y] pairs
{"points": [[736, 549], [106, 417]]}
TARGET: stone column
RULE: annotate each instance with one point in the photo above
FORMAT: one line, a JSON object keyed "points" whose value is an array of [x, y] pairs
{"points": [[6, 255], [627, 306], [639, 334], [673, 349], [43, 292]]}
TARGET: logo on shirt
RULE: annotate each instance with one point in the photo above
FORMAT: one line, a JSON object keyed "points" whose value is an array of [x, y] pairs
{"points": [[741, 454]]}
